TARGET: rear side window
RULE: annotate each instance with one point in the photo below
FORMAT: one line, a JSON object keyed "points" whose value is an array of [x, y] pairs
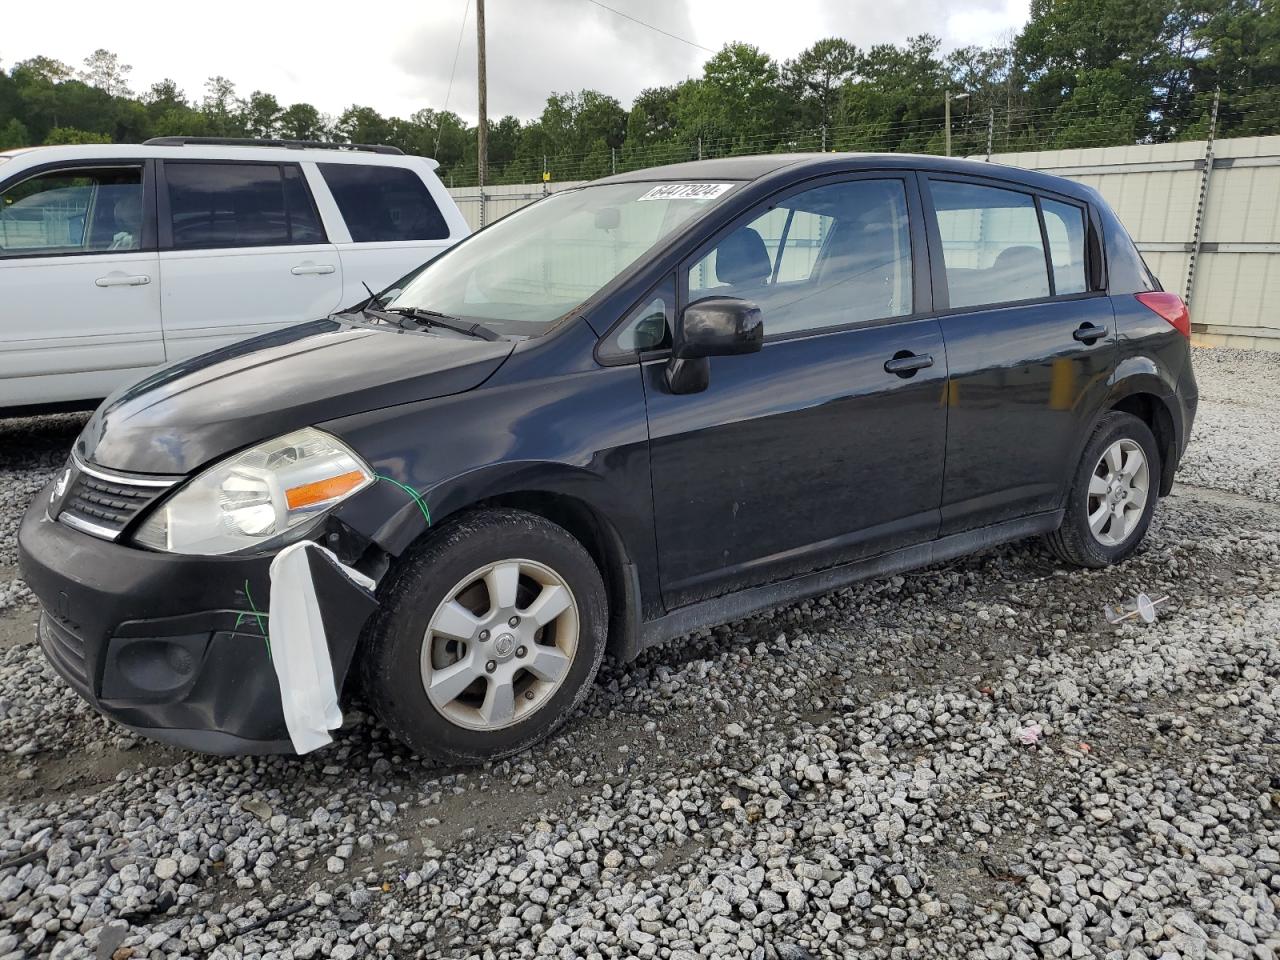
{"points": [[991, 244], [215, 205], [1064, 225], [73, 211], [384, 204]]}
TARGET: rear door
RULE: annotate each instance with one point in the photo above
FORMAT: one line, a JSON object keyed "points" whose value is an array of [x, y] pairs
{"points": [[1030, 339], [243, 252], [79, 297], [393, 222], [825, 446]]}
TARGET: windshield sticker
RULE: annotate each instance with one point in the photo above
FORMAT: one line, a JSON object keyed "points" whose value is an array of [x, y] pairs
{"points": [[687, 191]]}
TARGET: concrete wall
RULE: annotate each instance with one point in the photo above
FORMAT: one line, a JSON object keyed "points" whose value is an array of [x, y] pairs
{"points": [[1156, 190]]}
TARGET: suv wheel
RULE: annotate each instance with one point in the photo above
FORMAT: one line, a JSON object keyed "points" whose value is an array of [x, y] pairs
{"points": [[1112, 496], [487, 637]]}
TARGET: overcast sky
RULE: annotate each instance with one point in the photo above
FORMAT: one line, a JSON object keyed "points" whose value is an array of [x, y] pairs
{"points": [[397, 57]]}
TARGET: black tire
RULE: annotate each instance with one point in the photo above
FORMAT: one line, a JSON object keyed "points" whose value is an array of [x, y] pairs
{"points": [[391, 667], [1073, 542]]}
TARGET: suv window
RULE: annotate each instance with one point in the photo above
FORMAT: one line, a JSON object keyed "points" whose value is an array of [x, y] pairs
{"points": [[384, 204], [215, 205], [991, 244], [836, 254], [73, 211], [1064, 226]]}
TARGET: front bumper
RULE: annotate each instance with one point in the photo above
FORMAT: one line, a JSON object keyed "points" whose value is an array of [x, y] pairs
{"points": [[173, 647]]}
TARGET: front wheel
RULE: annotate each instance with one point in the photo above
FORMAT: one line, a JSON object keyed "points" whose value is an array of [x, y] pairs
{"points": [[1112, 496], [487, 637]]}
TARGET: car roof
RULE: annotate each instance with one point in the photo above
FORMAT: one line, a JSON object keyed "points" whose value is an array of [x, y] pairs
{"points": [[204, 151], [800, 165]]}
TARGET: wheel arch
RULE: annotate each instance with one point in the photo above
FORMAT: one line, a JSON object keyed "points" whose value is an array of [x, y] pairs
{"points": [[1148, 399], [574, 500]]}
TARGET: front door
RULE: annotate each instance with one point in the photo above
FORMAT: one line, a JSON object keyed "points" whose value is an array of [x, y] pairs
{"points": [[826, 445], [243, 252], [1030, 346], [80, 307]]}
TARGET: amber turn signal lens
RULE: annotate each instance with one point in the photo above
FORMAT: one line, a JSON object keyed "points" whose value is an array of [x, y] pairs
{"points": [[322, 490]]}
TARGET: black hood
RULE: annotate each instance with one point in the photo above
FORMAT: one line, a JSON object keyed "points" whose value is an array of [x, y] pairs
{"points": [[184, 415]]}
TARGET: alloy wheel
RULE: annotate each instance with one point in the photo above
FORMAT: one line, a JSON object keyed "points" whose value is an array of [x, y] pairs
{"points": [[500, 644], [1118, 492]]}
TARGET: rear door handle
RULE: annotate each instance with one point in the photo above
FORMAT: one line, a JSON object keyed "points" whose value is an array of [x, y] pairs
{"points": [[120, 280], [1088, 333], [304, 269], [905, 363]]}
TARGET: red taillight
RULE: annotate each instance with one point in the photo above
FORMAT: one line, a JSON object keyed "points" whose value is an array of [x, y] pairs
{"points": [[1170, 307]]}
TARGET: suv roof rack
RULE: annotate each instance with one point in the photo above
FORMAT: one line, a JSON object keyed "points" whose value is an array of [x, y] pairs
{"points": [[289, 144]]}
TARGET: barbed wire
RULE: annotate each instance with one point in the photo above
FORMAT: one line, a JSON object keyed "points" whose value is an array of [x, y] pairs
{"points": [[997, 128]]}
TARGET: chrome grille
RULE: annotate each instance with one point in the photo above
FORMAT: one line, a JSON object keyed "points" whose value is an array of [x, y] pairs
{"points": [[104, 503]]}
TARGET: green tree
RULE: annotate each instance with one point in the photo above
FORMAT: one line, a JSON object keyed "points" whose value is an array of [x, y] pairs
{"points": [[104, 70], [362, 125], [260, 115], [221, 118], [14, 134], [61, 135], [1239, 43], [164, 95], [896, 101], [738, 99], [814, 78], [659, 106], [302, 121], [43, 68]]}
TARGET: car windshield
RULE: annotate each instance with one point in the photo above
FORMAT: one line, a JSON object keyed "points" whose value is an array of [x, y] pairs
{"points": [[531, 268]]}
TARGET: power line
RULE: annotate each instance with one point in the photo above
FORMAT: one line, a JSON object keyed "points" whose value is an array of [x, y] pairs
{"points": [[466, 9], [627, 16]]}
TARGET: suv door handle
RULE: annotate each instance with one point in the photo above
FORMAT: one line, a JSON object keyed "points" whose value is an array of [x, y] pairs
{"points": [[1088, 333], [120, 280], [905, 363], [303, 269]]}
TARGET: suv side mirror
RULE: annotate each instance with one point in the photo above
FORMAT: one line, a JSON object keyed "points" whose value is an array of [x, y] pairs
{"points": [[718, 327]]}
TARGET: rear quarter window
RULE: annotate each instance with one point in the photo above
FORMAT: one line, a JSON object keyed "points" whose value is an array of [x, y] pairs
{"points": [[384, 204]]}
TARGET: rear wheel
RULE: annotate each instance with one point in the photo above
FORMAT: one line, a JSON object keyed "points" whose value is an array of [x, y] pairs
{"points": [[487, 638], [1112, 496]]}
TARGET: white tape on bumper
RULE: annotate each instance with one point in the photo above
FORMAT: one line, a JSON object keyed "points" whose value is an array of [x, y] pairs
{"points": [[299, 650]]}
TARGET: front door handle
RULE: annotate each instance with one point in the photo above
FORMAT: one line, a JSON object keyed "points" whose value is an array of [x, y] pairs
{"points": [[120, 280], [305, 269], [1088, 333], [905, 363]]}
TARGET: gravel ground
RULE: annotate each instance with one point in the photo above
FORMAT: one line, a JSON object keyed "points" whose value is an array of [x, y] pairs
{"points": [[967, 761]]}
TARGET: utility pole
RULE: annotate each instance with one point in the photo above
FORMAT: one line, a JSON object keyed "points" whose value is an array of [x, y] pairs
{"points": [[482, 131], [947, 98]]}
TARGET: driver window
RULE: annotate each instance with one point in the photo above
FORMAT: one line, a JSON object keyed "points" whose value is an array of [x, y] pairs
{"points": [[834, 255], [73, 211]]}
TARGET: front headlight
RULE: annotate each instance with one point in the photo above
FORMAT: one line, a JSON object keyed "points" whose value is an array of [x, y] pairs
{"points": [[257, 495]]}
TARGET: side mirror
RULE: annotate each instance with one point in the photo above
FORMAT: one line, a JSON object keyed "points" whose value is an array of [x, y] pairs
{"points": [[718, 327]]}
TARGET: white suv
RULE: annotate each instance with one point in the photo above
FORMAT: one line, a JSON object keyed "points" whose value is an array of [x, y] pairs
{"points": [[117, 258]]}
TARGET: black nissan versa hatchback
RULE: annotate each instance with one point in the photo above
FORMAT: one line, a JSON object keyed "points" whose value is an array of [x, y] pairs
{"points": [[657, 402]]}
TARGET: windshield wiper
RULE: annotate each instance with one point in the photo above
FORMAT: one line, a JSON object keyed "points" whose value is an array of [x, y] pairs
{"points": [[434, 318]]}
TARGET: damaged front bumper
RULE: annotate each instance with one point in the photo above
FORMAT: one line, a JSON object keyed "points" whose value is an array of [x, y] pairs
{"points": [[174, 647]]}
